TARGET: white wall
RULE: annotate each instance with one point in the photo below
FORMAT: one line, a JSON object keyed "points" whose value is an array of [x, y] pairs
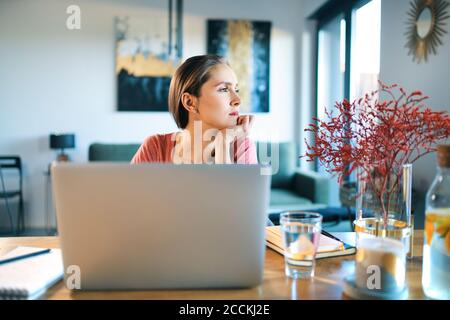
{"points": [[310, 6], [56, 80], [432, 78]]}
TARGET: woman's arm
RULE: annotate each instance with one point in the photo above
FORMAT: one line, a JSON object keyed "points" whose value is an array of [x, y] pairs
{"points": [[245, 152], [232, 145]]}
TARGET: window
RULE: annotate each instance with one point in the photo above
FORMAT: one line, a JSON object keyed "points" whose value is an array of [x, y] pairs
{"points": [[348, 56], [365, 55], [331, 64]]}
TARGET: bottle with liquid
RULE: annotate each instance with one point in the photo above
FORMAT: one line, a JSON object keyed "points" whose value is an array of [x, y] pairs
{"points": [[436, 249]]}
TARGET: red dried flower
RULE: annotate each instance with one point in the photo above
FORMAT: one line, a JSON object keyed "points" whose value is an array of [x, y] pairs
{"points": [[377, 135]]}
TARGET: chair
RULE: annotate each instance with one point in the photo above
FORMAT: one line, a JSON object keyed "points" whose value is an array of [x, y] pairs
{"points": [[12, 163]]}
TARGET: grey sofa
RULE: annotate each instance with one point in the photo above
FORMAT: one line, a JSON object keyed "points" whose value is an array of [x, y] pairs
{"points": [[292, 188]]}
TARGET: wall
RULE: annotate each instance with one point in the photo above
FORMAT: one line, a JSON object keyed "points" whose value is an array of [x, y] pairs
{"points": [[56, 80], [432, 78], [310, 6]]}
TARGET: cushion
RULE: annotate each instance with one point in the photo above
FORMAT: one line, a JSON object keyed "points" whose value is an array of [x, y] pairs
{"points": [[112, 152]]}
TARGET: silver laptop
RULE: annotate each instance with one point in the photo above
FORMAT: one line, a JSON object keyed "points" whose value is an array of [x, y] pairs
{"points": [[160, 226]]}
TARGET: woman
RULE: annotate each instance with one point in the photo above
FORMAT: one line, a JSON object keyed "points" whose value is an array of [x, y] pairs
{"points": [[204, 101]]}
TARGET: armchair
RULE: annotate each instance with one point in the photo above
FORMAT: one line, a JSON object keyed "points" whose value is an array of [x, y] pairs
{"points": [[292, 188]]}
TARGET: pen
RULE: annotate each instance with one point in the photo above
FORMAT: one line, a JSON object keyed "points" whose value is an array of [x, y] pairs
{"points": [[331, 236], [24, 256]]}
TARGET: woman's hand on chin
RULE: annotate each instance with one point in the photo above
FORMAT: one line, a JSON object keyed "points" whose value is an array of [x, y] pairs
{"points": [[245, 123], [222, 146], [241, 129]]}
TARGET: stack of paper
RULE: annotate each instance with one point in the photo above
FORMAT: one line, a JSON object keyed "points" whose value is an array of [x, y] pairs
{"points": [[29, 278]]}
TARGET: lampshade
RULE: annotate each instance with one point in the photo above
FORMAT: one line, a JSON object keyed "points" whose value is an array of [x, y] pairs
{"points": [[62, 141]]}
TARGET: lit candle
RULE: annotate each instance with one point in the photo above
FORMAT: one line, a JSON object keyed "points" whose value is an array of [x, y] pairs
{"points": [[380, 265]]}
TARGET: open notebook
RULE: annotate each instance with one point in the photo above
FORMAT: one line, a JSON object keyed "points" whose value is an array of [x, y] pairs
{"points": [[328, 247], [30, 277]]}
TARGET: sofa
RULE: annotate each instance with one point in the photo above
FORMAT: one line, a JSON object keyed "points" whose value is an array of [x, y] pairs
{"points": [[292, 188]]}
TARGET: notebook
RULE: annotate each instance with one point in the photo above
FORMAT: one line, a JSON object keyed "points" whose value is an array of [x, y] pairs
{"points": [[328, 247], [30, 277]]}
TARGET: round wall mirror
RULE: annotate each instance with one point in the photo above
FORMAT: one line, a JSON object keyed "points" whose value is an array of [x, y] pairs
{"points": [[424, 23], [426, 27]]}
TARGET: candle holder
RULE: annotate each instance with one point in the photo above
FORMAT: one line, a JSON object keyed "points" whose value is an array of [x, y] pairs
{"points": [[380, 271]]}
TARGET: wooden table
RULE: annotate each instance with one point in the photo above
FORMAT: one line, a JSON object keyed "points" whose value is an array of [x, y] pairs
{"points": [[327, 284]]}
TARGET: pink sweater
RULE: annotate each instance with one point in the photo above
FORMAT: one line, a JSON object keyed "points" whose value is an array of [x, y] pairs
{"points": [[159, 148]]}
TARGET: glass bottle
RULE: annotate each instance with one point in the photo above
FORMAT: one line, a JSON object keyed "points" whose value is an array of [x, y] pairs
{"points": [[436, 249]]}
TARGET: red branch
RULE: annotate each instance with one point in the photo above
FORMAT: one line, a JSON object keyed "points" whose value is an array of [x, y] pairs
{"points": [[377, 136]]}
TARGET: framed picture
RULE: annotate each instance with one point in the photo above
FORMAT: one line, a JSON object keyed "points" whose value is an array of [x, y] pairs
{"points": [[148, 51], [246, 45]]}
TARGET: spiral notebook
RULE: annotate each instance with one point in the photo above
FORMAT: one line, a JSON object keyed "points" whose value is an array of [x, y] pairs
{"points": [[328, 247], [29, 278]]}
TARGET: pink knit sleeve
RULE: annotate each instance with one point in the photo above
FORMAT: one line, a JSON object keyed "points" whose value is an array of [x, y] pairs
{"points": [[149, 151], [245, 152]]}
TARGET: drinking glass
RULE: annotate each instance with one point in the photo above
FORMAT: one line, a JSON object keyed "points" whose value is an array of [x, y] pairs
{"points": [[300, 232]]}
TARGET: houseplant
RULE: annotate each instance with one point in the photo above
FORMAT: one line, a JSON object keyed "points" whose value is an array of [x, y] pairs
{"points": [[378, 137]]}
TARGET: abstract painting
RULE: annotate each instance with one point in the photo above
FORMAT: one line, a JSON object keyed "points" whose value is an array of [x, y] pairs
{"points": [[246, 45], [146, 59]]}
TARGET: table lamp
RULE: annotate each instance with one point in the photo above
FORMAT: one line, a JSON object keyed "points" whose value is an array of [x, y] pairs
{"points": [[62, 141]]}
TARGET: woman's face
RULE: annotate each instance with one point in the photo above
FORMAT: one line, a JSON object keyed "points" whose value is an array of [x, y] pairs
{"points": [[218, 104]]}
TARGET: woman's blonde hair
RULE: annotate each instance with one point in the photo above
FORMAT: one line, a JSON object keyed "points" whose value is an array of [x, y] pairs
{"points": [[189, 77]]}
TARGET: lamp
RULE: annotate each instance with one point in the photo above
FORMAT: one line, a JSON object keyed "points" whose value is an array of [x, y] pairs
{"points": [[62, 141]]}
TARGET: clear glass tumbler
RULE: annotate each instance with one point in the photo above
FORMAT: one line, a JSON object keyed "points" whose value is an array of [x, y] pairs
{"points": [[301, 233]]}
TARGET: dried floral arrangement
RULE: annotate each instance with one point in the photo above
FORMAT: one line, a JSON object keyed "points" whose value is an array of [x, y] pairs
{"points": [[377, 136]]}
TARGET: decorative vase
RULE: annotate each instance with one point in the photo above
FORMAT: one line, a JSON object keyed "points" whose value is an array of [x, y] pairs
{"points": [[383, 205]]}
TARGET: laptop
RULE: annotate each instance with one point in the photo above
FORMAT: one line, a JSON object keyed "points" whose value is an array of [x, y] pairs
{"points": [[161, 226]]}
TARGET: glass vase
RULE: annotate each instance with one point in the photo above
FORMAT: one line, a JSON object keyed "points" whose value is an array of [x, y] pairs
{"points": [[383, 205]]}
